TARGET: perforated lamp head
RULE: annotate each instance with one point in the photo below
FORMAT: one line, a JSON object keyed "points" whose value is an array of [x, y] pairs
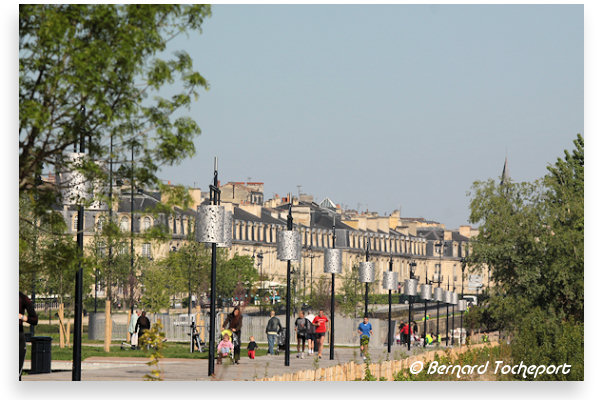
{"points": [[390, 280], [410, 287], [289, 246], [426, 292], [210, 224], [366, 272], [333, 261]]}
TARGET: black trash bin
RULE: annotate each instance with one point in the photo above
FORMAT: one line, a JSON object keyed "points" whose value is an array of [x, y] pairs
{"points": [[41, 354]]}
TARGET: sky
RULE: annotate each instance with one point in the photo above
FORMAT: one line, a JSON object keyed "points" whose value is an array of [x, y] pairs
{"points": [[385, 107]]}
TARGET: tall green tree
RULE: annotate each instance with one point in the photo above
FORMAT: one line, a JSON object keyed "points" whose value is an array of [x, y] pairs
{"points": [[238, 270], [156, 282], [532, 237], [352, 292], [112, 60]]}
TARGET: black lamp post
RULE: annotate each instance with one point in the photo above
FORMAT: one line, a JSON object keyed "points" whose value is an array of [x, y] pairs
{"points": [[408, 290], [425, 295], [462, 306], [440, 246], [454, 302], [76, 373], [260, 257], [366, 274], [215, 199], [289, 248], [390, 333], [448, 297], [131, 277], [390, 281], [210, 228], [290, 226], [332, 265], [332, 331]]}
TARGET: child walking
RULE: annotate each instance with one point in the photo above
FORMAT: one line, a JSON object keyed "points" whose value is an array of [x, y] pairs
{"points": [[252, 348]]}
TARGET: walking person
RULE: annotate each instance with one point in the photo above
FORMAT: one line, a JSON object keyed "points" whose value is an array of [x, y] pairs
{"points": [[234, 323], [310, 335], [272, 330], [401, 330], [406, 333], [131, 328], [301, 328], [320, 323], [252, 346], [365, 330], [142, 325], [25, 305]]}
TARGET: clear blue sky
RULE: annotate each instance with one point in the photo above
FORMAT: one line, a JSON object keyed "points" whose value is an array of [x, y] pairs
{"points": [[385, 106]]}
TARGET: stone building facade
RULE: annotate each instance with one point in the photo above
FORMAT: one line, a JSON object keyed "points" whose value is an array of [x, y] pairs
{"points": [[437, 252]]}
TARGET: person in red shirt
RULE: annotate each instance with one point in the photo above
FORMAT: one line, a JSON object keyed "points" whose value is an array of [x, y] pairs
{"points": [[320, 323], [406, 331]]}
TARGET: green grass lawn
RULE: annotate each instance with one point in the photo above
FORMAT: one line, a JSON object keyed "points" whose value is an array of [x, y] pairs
{"points": [[171, 350]]}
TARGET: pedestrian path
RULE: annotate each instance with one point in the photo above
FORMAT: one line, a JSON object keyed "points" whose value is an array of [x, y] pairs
{"points": [[178, 369]]}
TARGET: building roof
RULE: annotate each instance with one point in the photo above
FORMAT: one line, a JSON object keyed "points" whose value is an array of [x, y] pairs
{"points": [[264, 218], [328, 203], [141, 202]]}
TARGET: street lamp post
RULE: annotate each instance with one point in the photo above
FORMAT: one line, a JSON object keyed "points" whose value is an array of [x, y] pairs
{"points": [[76, 372], [410, 290], [366, 274], [438, 293], [425, 295], [260, 264], [462, 306], [210, 228], [131, 277], [390, 282], [454, 302], [311, 256], [332, 265], [447, 300], [289, 248]]}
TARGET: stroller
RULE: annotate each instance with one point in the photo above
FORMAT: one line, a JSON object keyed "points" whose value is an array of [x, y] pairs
{"points": [[235, 340], [280, 341]]}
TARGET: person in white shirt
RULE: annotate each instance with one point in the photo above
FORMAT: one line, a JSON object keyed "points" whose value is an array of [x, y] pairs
{"points": [[310, 337]]}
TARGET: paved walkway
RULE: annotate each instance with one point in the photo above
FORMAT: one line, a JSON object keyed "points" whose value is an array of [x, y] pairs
{"points": [[177, 369]]}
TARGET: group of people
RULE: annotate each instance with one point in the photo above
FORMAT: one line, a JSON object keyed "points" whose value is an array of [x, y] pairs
{"points": [[310, 332], [138, 325], [410, 332]]}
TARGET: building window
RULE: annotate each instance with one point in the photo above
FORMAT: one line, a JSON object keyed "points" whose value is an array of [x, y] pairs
{"points": [[124, 224], [147, 223], [101, 250], [175, 221], [99, 223], [146, 250]]}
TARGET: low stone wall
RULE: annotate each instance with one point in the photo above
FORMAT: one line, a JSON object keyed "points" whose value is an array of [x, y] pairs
{"points": [[352, 371], [177, 328]]}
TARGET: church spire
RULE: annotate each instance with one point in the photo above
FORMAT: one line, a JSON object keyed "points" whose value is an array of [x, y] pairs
{"points": [[505, 173]]}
